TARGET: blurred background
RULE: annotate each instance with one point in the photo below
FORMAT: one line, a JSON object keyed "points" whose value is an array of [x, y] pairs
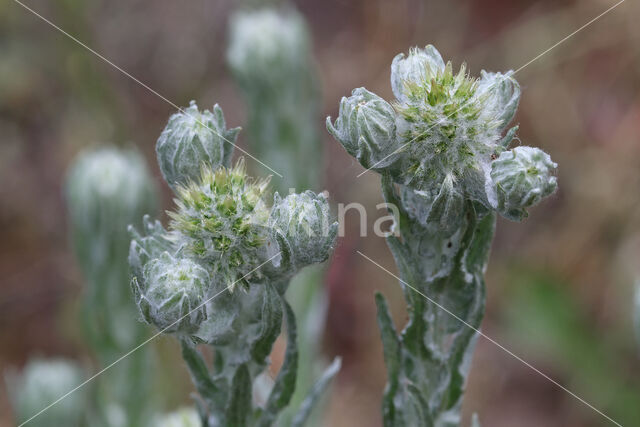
{"points": [[560, 285]]}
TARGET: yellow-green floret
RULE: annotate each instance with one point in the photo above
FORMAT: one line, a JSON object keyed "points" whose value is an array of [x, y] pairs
{"points": [[221, 220]]}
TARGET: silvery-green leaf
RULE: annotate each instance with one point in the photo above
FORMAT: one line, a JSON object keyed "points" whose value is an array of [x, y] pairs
{"points": [[238, 408], [316, 392], [271, 323], [198, 369], [147, 245], [392, 359], [285, 382], [447, 208]]}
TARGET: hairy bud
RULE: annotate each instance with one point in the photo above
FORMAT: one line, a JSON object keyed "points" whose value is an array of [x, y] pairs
{"points": [[500, 95], [303, 228], [192, 139], [172, 292], [419, 67], [144, 247], [523, 177], [366, 128]]}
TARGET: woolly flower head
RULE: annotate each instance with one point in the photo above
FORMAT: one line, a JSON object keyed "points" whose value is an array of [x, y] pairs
{"points": [[441, 135], [265, 42], [449, 124], [220, 221]]}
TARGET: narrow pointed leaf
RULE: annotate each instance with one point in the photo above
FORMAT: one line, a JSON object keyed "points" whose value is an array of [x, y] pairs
{"points": [[315, 393], [198, 370], [271, 325], [239, 405], [286, 381]]}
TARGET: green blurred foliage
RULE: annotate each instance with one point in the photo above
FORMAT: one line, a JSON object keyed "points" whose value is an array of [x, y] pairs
{"points": [[550, 328]]}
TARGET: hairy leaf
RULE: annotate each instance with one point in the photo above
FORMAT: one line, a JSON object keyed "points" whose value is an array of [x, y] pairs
{"points": [[286, 381], [239, 404], [315, 393]]}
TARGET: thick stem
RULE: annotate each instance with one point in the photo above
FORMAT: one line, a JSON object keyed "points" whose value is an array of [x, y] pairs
{"points": [[442, 275]]}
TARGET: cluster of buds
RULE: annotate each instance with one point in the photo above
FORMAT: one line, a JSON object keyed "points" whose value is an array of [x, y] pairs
{"points": [[446, 136], [222, 234]]}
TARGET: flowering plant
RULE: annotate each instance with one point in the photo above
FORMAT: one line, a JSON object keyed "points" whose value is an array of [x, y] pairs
{"points": [[442, 150], [218, 275]]}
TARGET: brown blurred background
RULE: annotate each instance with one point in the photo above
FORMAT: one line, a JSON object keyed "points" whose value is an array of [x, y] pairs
{"points": [[559, 284]]}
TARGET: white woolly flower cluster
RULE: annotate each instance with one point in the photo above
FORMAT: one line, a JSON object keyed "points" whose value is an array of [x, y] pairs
{"points": [[222, 235], [442, 135]]}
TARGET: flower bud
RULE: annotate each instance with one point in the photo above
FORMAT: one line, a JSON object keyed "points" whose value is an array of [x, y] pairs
{"points": [[366, 127], [221, 220], [303, 228], [107, 189], [418, 68], [171, 293], [501, 96], [192, 139], [522, 177], [149, 245], [267, 45], [42, 382]]}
